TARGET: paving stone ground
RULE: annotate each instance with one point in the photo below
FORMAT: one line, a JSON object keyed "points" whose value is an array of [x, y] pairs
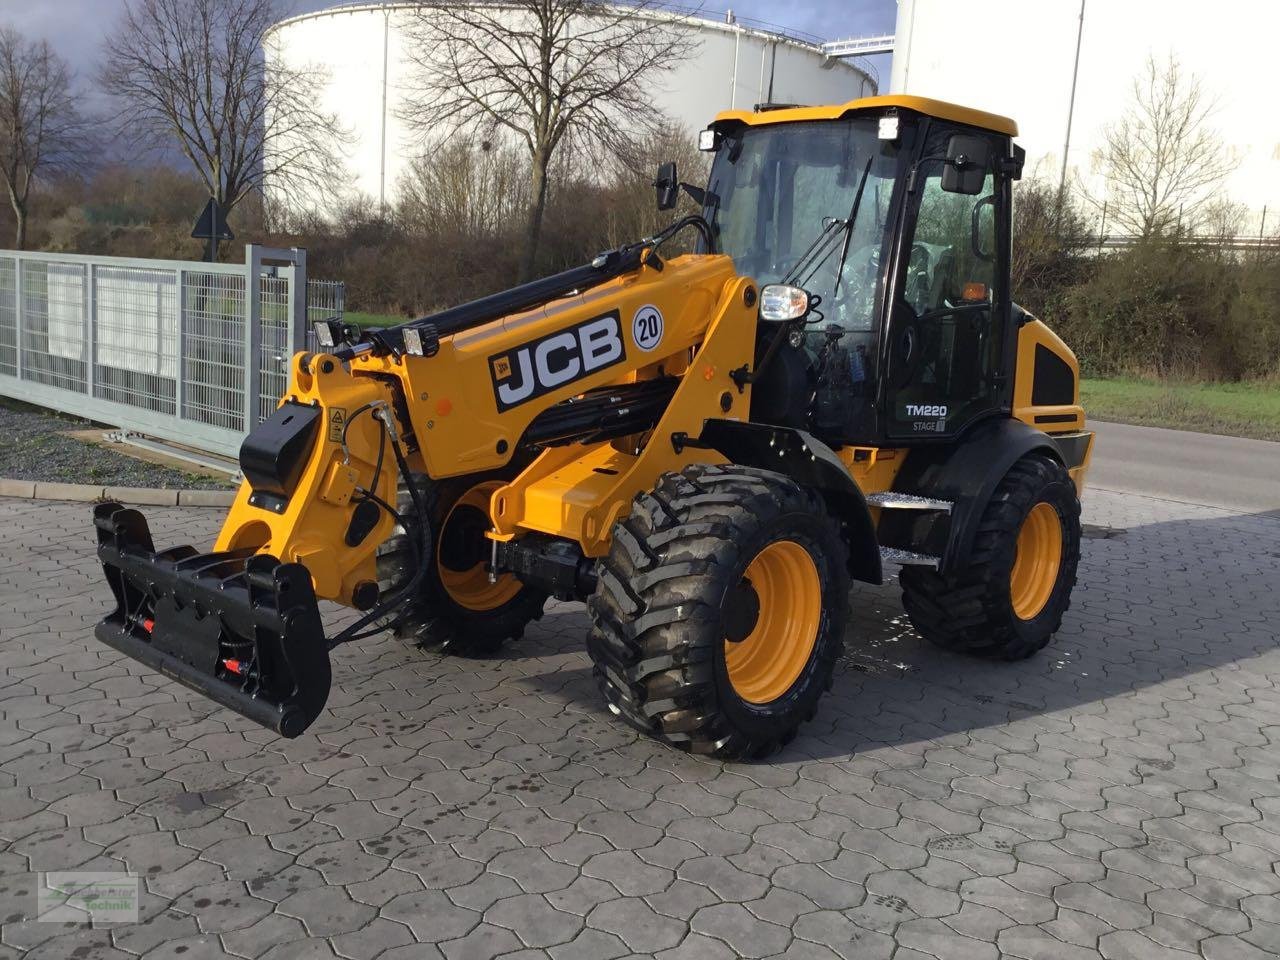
{"points": [[1117, 796]]}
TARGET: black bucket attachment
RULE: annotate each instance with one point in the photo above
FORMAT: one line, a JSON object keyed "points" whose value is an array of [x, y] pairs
{"points": [[239, 627]]}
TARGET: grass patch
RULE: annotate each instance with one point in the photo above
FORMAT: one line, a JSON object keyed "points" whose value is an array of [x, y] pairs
{"points": [[1232, 409]]}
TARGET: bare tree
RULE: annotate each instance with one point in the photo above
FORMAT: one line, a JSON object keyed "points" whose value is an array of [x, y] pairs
{"points": [[549, 73], [41, 131], [1050, 237], [203, 74], [630, 210], [1222, 219], [1162, 161], [463, 190]]}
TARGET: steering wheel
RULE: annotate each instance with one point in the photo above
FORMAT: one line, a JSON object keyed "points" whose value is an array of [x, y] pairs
{"points": [[909, 341], [854, 305], [959, 309], [873, 260]]}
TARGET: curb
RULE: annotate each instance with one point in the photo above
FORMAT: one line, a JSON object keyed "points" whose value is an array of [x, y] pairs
{"points": [[88, 493]]}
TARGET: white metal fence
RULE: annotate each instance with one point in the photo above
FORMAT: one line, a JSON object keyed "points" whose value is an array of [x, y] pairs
{"points": [[193, 353]]}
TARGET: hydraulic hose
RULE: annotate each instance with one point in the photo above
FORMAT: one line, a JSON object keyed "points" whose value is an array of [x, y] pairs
{"points": [[352, 632]]}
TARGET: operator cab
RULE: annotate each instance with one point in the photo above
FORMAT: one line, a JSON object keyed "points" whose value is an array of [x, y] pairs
{"points": [[893, 214]]}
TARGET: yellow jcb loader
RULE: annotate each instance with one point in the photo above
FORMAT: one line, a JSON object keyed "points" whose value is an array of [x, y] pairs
{"points": [[704, 447]]}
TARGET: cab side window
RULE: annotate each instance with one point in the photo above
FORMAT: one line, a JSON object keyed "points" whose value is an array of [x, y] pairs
{"points": [[950, 261], [946, 334]]}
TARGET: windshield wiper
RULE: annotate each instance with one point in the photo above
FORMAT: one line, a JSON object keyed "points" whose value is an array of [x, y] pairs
{"points": [[830, 228], [815, 255], [848, 234]]}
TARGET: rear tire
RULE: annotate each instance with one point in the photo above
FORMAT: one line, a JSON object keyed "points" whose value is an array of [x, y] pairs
{"points": [[456, 609], [1010, 600], [675, 585]]}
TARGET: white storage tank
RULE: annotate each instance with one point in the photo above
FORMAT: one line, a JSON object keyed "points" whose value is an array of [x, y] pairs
{"points": [[364, 48]]}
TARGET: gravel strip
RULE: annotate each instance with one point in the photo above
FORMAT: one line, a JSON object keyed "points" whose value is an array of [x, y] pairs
{"points": [[34, 447]]}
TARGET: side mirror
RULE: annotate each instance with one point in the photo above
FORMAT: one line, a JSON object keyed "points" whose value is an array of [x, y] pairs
{"points": [[968, 161], [667, 185]]}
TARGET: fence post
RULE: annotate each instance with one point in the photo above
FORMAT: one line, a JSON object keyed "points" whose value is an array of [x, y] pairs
{"points": [[180, 372], [1262, 233], [252, 334], [299, 298], [90, 325], [17, 309]]}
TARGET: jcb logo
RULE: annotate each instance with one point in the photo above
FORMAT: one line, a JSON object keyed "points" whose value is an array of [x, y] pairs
{"points": [[550, 362], [926, 410]]}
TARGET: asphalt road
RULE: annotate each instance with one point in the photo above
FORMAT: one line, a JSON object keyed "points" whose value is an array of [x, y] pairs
{"points": [[1189, 467]]}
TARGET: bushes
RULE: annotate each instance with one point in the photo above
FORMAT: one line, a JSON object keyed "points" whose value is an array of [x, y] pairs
{"points": [[458, 227], [1173, 309], [1159, 308], [1050, 240], [1251, 334], [1182, 307], [1147, 310], [455, 233]]}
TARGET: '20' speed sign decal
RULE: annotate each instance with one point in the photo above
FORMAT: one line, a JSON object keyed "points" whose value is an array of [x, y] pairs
{"points": [[646, 327]]}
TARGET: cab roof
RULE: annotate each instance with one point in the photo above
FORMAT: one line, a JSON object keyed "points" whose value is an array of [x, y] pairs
{"points": [[924, 105]]}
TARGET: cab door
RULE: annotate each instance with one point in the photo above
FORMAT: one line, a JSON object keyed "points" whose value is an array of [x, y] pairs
{"points": [[949, 325]]}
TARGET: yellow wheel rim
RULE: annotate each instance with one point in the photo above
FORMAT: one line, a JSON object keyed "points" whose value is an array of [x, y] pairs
{"points": [[471, 588], [1037, 561], [764, 665]]}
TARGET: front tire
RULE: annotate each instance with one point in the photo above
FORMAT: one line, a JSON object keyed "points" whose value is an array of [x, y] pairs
{"points": [[457, 608], [1010, 600], [720, 610]]}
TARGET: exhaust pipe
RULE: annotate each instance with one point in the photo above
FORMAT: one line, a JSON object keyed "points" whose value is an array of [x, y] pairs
{"points": [[238, 627]]}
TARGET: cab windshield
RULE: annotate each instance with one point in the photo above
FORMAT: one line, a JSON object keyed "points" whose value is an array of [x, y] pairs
{"points": [[776, 190]]}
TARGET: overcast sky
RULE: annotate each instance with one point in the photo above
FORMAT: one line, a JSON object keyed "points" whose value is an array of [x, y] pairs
{"points": [[75, 27]]}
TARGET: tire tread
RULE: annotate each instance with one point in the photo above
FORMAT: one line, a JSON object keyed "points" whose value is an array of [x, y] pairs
{"points": [[969, 612], [656, 612]]}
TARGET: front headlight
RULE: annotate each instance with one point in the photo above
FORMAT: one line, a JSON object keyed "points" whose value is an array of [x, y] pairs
{"points": [[780, 302]]}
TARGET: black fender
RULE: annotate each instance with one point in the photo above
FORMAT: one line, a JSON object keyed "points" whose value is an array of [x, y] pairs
{"points": [[810, 462], [967, 473]]}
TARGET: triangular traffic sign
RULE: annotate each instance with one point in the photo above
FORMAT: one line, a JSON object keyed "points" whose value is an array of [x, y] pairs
{"points": [[212, 223]]}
